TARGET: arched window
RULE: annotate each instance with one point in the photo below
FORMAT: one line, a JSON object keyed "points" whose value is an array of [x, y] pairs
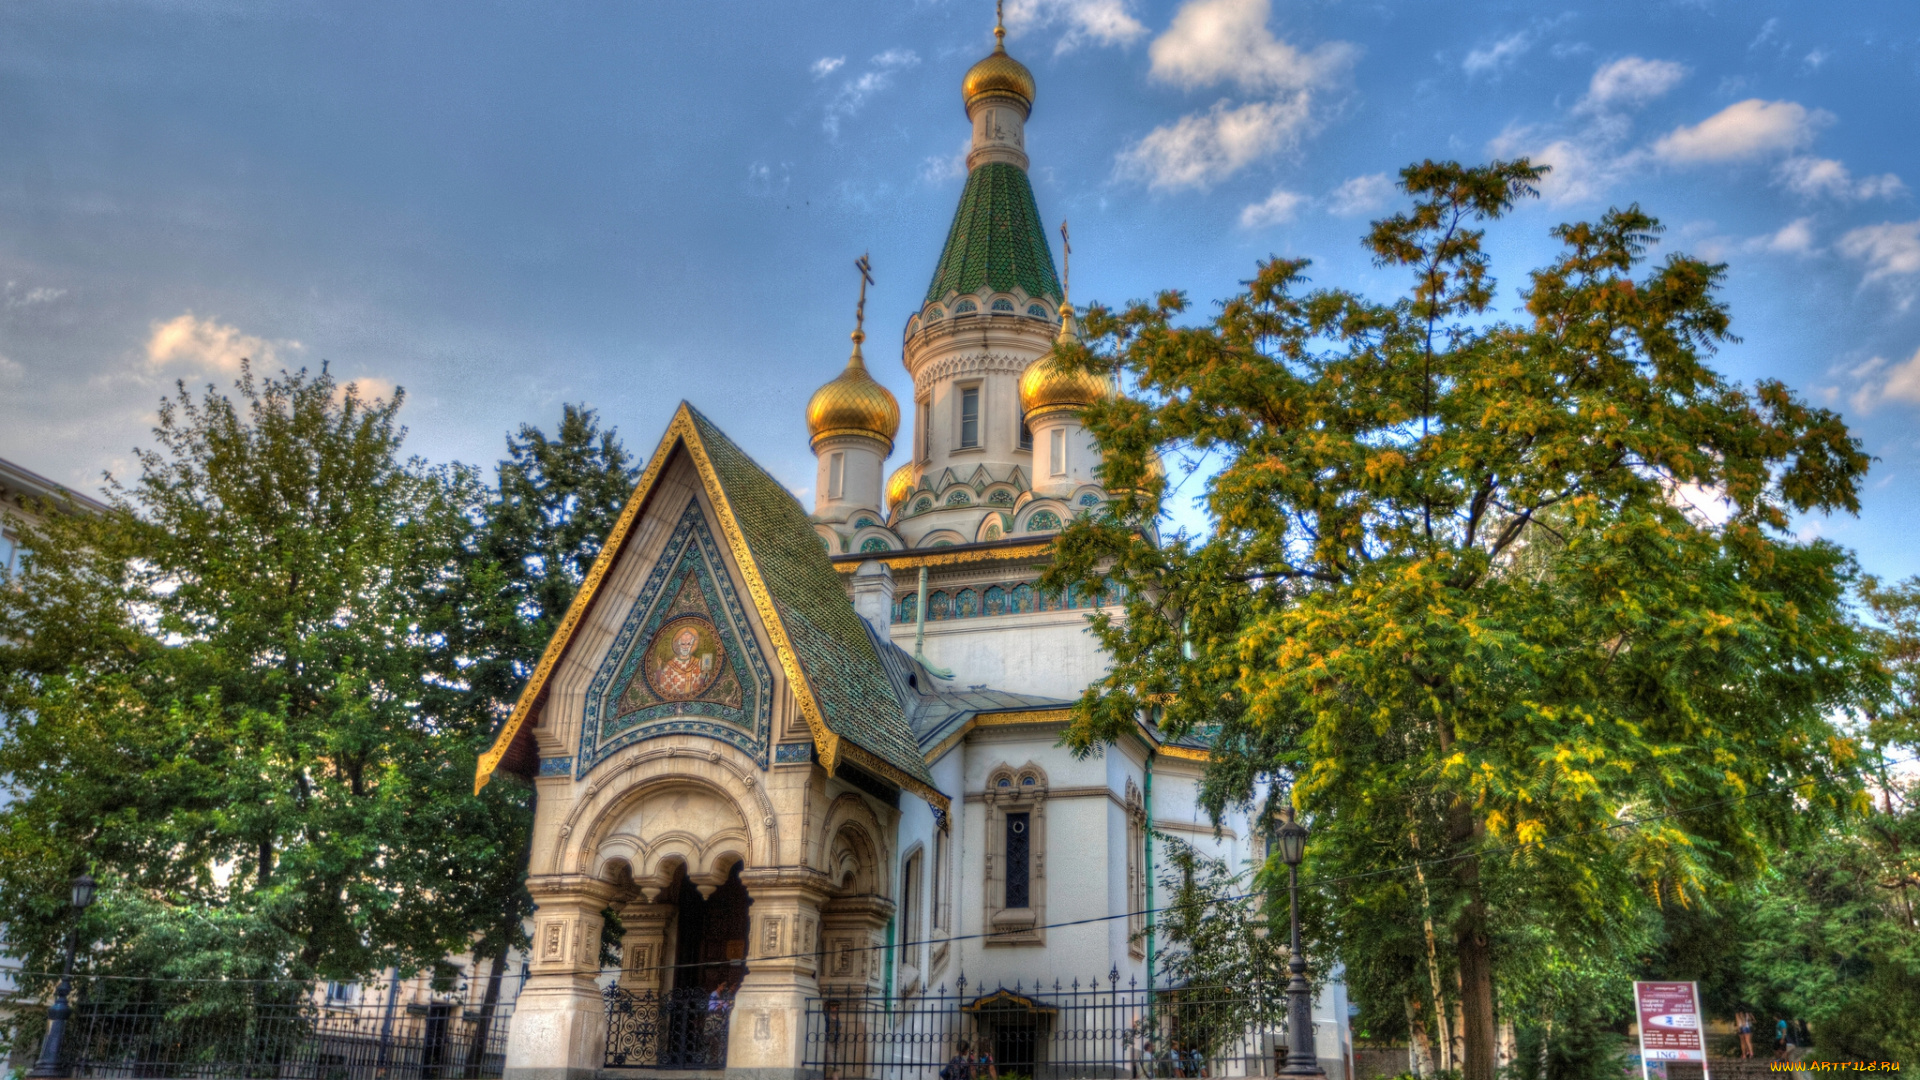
{"points": [[1003, 304], [1002, 497], [965, 306], [995, 602], [911, 904], [925, 504], [863, 522], [1043, 521], [1089, 499], [993, 532], [874, 543], [1036, 311], [936, 312], [959, 498]]}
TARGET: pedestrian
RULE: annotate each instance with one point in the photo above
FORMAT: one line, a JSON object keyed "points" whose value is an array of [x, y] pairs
{"points": [[960, 1065], [1743, 1022], [984, 1065], [1780, 1040]]}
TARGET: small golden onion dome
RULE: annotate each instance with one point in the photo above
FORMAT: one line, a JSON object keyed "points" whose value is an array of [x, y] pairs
{"points": [[998, 74], [1047, 386], [901, 484], [854, 404]]}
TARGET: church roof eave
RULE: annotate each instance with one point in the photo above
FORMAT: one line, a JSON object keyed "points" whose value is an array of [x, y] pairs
{"points": [[822, 645]]}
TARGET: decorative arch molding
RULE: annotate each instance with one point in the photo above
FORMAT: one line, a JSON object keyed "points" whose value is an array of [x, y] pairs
{"points": [[587, 836], [952, 367], [851, 815]]}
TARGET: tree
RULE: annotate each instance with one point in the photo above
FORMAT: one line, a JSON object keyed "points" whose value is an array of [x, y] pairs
{"points": [[214, 693], [1454, 602], [555, 501]]}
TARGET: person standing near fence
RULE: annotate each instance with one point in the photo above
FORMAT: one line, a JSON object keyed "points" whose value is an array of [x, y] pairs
{"points": [[1743, 1023]]}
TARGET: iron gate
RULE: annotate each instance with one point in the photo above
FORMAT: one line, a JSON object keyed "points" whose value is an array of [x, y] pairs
{"points": [[678, 1029]]}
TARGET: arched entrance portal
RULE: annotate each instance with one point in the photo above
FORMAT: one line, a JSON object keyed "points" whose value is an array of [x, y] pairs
{"points": [[710, 934]]}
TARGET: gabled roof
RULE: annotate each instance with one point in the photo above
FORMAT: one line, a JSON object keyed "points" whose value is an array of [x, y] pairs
{"points": [[996, 240], [823, 646]]}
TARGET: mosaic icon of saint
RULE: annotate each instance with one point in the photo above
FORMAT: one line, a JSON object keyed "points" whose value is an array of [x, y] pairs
{"points": [[683, 674]]}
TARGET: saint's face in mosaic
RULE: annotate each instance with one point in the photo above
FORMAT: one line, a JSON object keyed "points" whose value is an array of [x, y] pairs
{"points": [[684, 659]]}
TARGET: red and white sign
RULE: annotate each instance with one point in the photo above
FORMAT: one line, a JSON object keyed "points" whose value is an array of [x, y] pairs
{"points": [[1672, 1027]]}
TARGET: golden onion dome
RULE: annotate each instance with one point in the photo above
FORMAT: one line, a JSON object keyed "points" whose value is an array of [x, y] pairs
{"points": [[998, 75], [854, 404], [901, 484], [1048, 386]]}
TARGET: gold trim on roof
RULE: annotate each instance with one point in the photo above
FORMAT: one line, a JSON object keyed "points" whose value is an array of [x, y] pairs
{"points": [[908, 560], [998, 719], [827, 743]]}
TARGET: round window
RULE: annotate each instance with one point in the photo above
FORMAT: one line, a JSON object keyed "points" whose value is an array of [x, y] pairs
{"points": [[1018, 827]]}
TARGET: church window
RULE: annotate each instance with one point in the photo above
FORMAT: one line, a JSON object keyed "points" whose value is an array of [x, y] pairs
{"points": [[1036, 311], [1136, 871], [911, 903], [965, 306], [1003, 497], [1015, 888], [909, 608], [924, 505], [1057, 452], [937, 606], [936, 312], [1026, 436], [1042, 521], [864, 522], [873, 543], [993, 532], [836, 475], [970, 416], [921, 437], [958, 498], [1003, 304], [1021, 599], [966, 604], [1089, 499], [1018, 860], [995, 602]]}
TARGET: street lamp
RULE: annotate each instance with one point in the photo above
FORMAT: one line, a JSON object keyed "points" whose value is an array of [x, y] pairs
{"points": [[50, 1064], [1291, 838]]}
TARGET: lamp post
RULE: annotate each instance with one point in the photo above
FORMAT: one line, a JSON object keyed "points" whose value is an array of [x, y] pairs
{"points": [[1291, 837], [50, 1064]]}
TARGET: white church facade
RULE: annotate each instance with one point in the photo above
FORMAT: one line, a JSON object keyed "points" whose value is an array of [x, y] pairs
{"points": [[809, 757]]}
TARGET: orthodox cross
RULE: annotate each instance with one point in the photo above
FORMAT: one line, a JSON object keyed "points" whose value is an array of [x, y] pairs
{"points": [[1067, 246], [866, 278], [999, 24]]}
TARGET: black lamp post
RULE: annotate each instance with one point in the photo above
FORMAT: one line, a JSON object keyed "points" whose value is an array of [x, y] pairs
{"points": [[50, 1064], [1291, 837]]}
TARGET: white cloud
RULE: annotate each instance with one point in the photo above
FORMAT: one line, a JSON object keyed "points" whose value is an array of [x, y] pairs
{"points": [[1815, 177], [1498, 54], [39, 294], [1888, 249], [827, 65], [853, 93], [1360, 195], [1278, 207], [1794, 238], [937, 169], [1579, 169], [367, 388], [1880, 382], [10, 370], [1101, 22], [1201, 148], [1744, 129], [1211, 42], [207, 345], [1630, 82]]}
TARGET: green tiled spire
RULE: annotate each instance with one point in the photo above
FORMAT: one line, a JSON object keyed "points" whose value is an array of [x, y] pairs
{"points": [[996, 239]]}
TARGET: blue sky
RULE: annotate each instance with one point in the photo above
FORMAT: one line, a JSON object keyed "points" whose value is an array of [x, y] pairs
{"points": [[507, 206]]}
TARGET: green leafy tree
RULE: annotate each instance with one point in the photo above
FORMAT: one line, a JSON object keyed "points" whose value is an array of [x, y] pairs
{"points": [[215, 692], [1453, 598]]}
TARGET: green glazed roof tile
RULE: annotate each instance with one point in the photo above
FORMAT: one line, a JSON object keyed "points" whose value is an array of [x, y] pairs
{"points": [[996, 239]]}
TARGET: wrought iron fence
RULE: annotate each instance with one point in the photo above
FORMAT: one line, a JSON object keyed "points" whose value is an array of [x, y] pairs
{"points": [[1095, 1029], [678, 1029], [270, 1031]]}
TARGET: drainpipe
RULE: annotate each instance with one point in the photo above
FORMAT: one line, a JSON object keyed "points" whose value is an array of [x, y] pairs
{"points": [[1149, 860], [920, 633], [892, 958]]}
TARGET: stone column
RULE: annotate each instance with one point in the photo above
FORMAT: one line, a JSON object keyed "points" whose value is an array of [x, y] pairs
{"points": [[643, 948], [767, 1034], [559, 1027]]}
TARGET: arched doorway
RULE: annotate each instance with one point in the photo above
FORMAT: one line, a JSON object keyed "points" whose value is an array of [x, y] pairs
{"points": [[710, 933]]}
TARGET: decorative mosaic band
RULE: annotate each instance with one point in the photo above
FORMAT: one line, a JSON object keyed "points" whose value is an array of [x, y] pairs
{"points": [[793, 753], [556, 766]]}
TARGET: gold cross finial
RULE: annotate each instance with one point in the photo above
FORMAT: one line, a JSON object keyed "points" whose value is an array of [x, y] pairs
{"points": [[999, 24], [1066, 245], [860, 311]]}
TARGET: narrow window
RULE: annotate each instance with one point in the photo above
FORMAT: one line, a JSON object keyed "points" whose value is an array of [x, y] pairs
{"points": [[1017, 859], [911, 901], [1026, 436], [6, 555], [1057, 452], [939, 878], [970, 416], [921, 437], [836, 475]]}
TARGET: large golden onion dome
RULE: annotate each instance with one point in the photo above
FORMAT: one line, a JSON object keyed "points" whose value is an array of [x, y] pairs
{"points": [[854, 404], [901, 484], [1047, 386], [998, 75]]}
